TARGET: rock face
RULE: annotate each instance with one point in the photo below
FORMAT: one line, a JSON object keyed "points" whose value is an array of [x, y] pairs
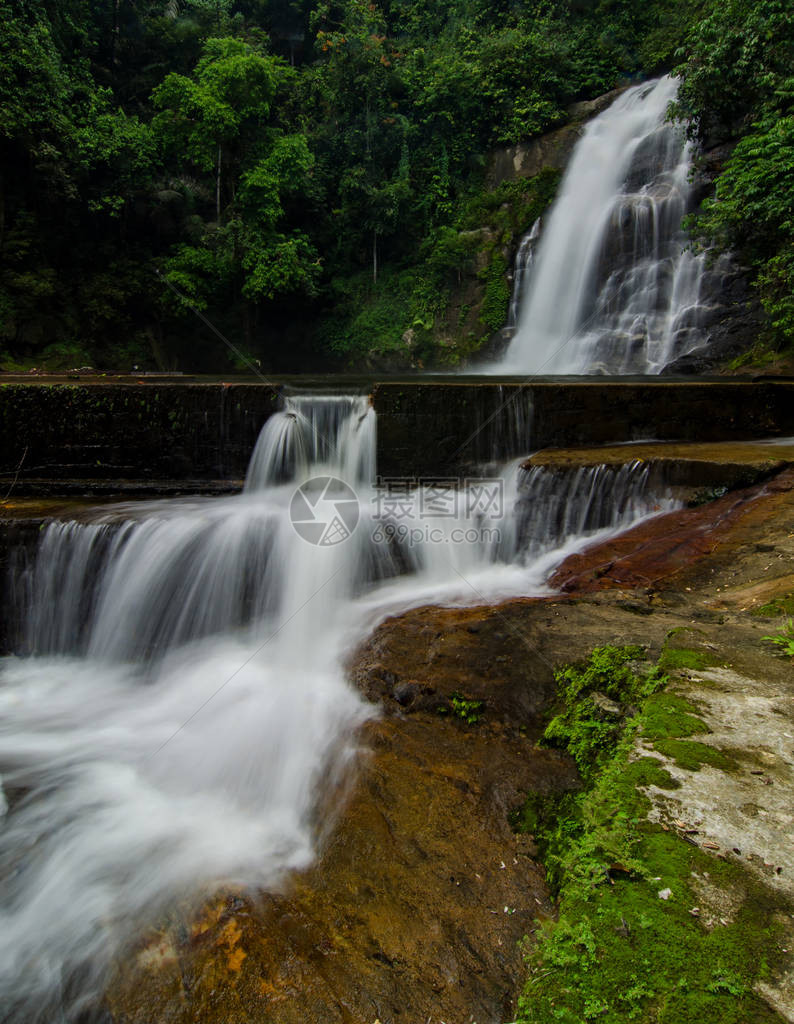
{"points": [[553, 149], [422, 893], [437, 654], [733, 322], [104, 438], [659, 550]]}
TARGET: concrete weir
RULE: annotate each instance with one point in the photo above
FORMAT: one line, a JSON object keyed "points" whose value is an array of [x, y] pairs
{"points": [[159, 435]]}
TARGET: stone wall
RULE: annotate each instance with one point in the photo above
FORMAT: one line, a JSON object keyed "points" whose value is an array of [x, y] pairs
{"points": [[119, 432], [93, 437], [445, 428]]}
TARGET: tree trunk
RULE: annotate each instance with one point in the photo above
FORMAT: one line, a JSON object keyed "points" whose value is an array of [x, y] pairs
{"points": [[375, 256], [154, 332], [2, 211], [114, 35], [218, 189]]}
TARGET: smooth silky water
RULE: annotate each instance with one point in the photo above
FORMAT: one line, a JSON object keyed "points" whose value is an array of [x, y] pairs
{"points": [[608, 283], [177, 711]]}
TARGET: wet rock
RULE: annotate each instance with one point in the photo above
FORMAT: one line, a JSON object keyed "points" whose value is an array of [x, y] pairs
{"points": [[636, 607], [605, 707], [406, 693], [401, 918], [463, 652], [662, 547]]}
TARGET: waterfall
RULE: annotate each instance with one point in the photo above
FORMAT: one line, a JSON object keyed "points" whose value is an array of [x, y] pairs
{"points": [[525, 257], [178, 708], [613, 287], [314, 430], [555, 506], [183, 701]]}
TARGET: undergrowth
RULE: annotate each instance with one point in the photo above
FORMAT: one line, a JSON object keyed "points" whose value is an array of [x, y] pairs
{"points": [[619, 950], [777, 606], [784, 639]]}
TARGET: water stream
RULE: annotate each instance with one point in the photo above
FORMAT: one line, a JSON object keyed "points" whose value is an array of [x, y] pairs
{"points": [[612, 287], [177, 709]]}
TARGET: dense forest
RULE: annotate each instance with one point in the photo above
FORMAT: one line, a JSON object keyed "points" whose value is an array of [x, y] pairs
{"points": [[310, 176]]}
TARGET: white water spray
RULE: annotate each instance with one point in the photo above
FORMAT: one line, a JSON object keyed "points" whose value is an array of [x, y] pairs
{"points": [[613, 287], [181, 709]]}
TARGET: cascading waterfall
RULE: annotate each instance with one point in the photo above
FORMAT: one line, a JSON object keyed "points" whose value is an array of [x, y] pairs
{"points": [[613, 287], [525, 257], [169, 734], [180, 708], [315, 429]]}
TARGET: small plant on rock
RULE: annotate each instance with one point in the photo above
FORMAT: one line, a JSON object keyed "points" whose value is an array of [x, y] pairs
{"points": [[469, 710], [784, 639]]}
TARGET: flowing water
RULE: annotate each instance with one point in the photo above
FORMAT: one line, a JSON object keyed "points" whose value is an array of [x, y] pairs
{"points": [[613, 287], [177, 709]]}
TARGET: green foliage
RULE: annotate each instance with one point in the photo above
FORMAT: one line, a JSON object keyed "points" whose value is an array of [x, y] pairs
{"points": [[752, 211], [735, 58], [231, 89], [369, 320], [149, 138], [783, 605], [205, 121], [618, 951], [469, 711], [590, 736], [497, 294], [736, 82], [784, 639]]}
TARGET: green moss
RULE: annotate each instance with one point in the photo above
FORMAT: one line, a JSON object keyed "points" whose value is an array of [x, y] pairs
{"points": [[667, 714], [763, 353], [619, 952], [493, 312], [684, 657], [692, 755], [776, 607], [580, 727]]}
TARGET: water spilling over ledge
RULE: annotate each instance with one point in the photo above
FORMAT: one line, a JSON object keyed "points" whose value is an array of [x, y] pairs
{"points": [[181, 708], [197, 435]]}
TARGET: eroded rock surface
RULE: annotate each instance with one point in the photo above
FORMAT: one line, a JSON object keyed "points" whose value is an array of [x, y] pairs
{"points": [[414, 911], [418, 902]]}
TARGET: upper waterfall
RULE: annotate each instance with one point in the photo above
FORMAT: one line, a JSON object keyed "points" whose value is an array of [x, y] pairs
{"points": [[613, 287]]}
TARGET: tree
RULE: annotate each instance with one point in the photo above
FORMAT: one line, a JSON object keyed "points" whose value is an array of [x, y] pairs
{"points": [[218, 122], [736, 83]]}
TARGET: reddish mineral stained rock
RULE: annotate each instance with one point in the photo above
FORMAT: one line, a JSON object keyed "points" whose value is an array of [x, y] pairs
{"points": [[422, 893]]}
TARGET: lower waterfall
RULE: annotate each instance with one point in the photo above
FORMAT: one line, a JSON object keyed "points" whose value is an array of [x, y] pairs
{"points": [[178, 708]]}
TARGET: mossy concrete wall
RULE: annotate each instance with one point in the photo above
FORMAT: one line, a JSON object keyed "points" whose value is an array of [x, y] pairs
{"points": [[428, 428], [18, 540], [200, 432], [119, 432]]}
